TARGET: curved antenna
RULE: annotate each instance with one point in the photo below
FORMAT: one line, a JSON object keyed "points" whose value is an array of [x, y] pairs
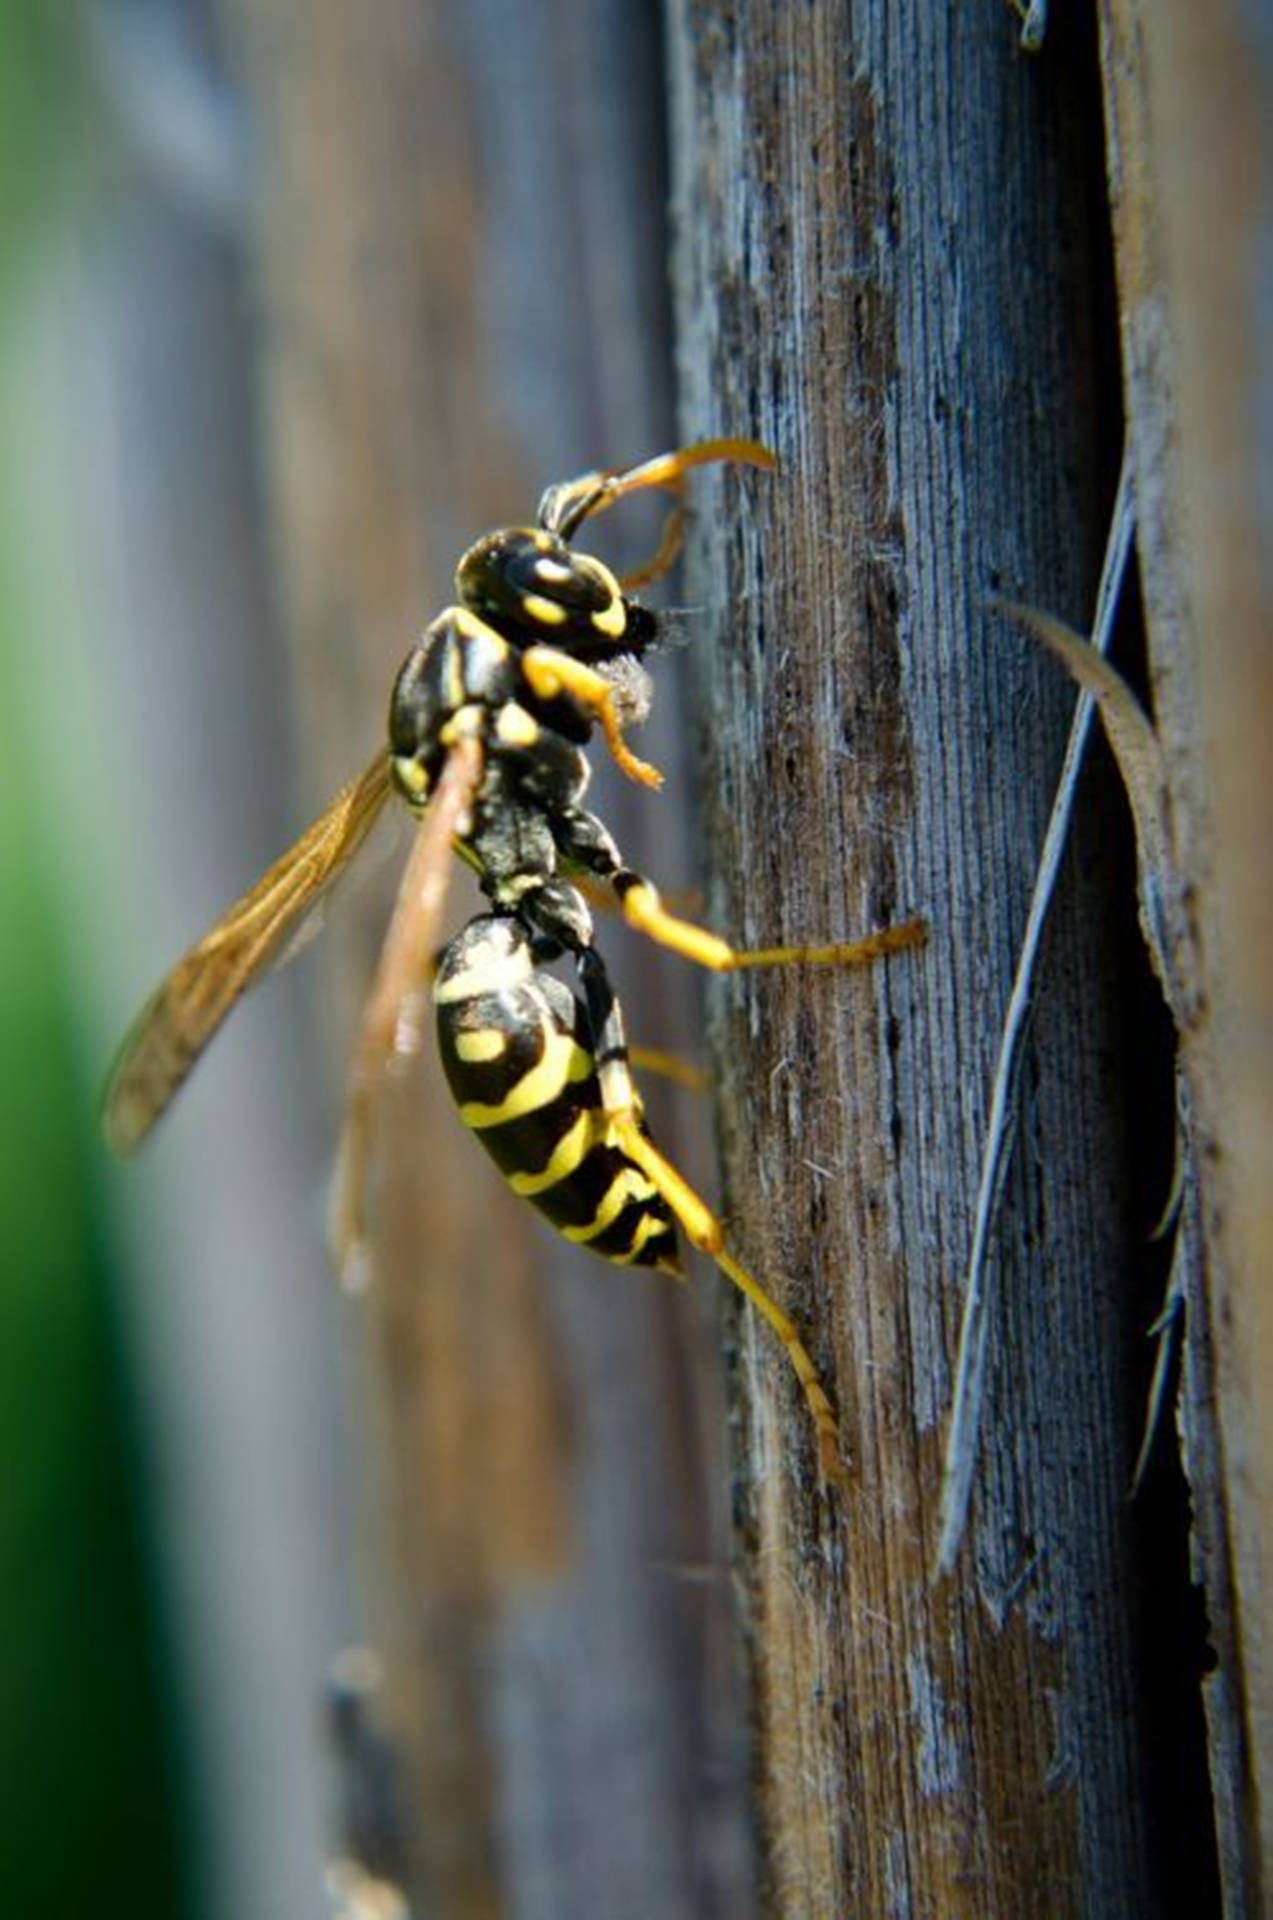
{"points": [[564, 507]]}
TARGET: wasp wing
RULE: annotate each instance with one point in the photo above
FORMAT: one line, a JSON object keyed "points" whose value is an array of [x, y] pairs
{"points": [[393, 1019], [184, 1012]]}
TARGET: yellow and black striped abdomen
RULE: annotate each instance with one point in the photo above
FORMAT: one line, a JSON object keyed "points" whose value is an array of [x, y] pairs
{"points": [[518, 1054]]}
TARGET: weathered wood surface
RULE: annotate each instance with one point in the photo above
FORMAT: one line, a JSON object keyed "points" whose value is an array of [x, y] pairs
{"points": [[883, 268], [462, 255], [888, 229], [1188, 98]]}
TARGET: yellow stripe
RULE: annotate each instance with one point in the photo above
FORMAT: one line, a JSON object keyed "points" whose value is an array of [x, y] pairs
{"points": [[611, 620], [629, 1184], [487, 1043], [473, 627], [647, 1226], [567, 1157], [515, 727], [549, 613], [465, 723], [455, 680], [563, 1060], [411, 777], [485, 975]]}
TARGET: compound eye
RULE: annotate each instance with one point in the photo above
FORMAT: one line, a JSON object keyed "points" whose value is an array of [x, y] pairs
{"points": [[529, 580]]}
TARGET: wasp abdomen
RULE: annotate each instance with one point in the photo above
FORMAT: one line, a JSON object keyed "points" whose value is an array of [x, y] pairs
{"points": [[519, 1055]]}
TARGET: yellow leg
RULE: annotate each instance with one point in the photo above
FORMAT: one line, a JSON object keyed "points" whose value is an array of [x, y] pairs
{"points": [[703, 1230], [600, 895], [643, 910], [668, 1066], [552, 674]]}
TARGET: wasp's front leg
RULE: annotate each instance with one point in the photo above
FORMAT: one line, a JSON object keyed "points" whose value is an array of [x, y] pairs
{"points": [[550, 674]]}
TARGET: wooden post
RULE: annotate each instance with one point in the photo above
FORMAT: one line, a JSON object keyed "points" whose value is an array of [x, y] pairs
{"points": [[889, 267], [890, 263]]}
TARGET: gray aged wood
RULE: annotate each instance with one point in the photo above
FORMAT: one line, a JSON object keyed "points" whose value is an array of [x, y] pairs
{"points": [[1187, 107], [882, 268], [883, 219]]}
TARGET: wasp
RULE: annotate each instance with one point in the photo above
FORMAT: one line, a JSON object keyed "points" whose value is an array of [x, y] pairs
{"points": [[489, 721]]}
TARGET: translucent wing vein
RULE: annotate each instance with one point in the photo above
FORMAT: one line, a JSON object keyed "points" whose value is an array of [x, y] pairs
{"points": [[184, 1012]]}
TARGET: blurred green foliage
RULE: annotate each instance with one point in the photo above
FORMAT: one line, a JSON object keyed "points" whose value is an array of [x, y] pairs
{"points": [[89, 1820]]}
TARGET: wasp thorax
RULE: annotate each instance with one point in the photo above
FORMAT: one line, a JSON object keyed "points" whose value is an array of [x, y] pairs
{"points": [[529, 580], [415, 715], [459, 669]]}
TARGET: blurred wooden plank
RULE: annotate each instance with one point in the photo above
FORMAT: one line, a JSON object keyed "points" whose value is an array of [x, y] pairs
{"points": [[135, 415], [461, 250]]}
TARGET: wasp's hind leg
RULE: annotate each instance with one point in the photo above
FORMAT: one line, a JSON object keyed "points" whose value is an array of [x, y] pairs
{"points": [[701, 1226], [704, 1231], [673, 1067]]}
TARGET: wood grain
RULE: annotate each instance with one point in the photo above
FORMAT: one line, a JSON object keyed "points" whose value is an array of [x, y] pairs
{"points": [[884, 270]]}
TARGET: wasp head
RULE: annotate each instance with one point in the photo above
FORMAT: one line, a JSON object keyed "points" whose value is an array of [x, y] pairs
{"points": [[532, 587]]}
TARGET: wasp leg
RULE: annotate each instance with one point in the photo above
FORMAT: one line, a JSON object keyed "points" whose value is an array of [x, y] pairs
{"points": [[669, 1066], [643, 909], [550, 674], [587, 844], [703, 1230], [393, 1019], [601, 897]]}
